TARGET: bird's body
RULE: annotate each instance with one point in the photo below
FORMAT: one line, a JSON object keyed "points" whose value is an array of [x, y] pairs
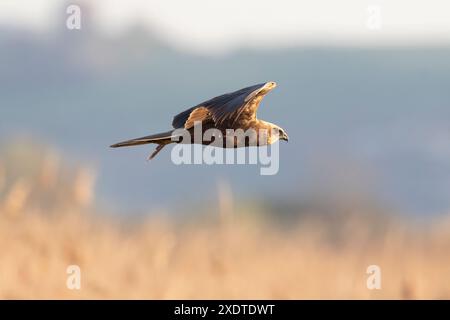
{"points": [[232, 111]]}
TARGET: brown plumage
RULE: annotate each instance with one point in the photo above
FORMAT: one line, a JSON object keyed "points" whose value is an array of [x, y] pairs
{"points": [[235, 110]]}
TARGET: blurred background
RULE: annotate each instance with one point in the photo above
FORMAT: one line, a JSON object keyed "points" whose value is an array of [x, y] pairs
{"points": [[365, 178]]}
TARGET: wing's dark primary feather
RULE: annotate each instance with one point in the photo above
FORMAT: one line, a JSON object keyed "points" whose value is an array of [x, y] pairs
{"points": [[222, 108]]}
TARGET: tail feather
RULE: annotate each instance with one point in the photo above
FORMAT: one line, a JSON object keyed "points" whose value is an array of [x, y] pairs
{"points": [[160, 138]]}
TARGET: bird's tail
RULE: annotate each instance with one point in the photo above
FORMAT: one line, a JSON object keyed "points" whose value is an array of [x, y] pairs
{"points": [[160, 138]]}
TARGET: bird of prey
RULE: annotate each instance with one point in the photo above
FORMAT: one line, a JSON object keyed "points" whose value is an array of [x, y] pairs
{"points": [[235, 110]]}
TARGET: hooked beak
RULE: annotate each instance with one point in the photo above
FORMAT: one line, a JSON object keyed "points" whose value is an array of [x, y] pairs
{"points": [[285, 137]]}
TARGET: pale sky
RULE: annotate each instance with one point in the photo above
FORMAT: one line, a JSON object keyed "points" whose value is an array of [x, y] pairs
{"points": [[217, 26]]}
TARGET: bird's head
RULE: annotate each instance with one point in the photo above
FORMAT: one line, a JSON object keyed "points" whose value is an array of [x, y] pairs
{"points": [[282, 135], [275, 132]]}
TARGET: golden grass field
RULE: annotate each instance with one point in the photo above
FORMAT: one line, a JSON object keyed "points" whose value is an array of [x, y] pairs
{"points": [[48, 221]]}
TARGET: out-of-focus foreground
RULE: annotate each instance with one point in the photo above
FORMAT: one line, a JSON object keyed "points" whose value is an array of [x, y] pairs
{"points": [[48, 221]]}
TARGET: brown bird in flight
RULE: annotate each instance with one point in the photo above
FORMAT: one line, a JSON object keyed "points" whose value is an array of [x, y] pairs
{"points": [[235, 110]]}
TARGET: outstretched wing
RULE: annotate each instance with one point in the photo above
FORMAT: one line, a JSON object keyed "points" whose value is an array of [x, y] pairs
{"points": [[225, 109]]}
